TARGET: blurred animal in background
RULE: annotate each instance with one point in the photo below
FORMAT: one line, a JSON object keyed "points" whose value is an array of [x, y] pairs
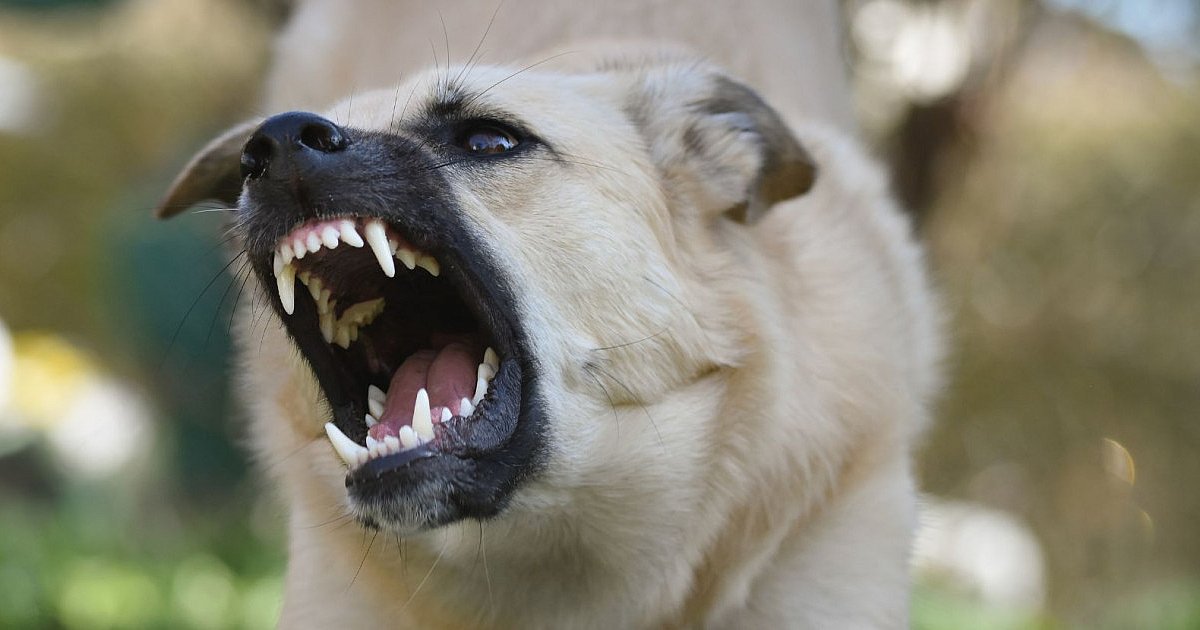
{"points": [[604, 338]]}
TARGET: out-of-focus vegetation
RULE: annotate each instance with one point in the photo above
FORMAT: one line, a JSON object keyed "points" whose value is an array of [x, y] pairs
{"points": [[1050, 151]]}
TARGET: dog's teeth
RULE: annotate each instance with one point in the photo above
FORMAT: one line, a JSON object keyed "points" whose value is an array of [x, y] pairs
{"points": [[377, 238], [446, 415], [363, 313], [326, 323], [370, 420], [286, 282], [430, 264], [408, 438], [286, 252], [465, 408], [341, 337], [330, 237], [392, 443], [374, 393], [480, 390], [351, 453], [313, 242], [299, 247], [313, 284], [485, 372], [277, 263], [407, 256], [376, 407], [492, 359], [324, 303], [371, 442], [422, 421], [349, 234]]}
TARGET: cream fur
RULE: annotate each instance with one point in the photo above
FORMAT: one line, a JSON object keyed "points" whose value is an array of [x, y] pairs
{"points": [[744, 464]]}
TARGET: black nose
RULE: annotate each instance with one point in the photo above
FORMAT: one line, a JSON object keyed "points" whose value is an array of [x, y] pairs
{"points": [[300, 136]]}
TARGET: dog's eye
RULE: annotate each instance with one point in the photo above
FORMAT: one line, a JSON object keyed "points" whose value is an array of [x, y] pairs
{"points": [[487, 140]]}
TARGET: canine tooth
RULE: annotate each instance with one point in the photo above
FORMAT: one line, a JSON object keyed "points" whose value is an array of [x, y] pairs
{"points": [[286, 282], [349, 234], [326, 323], [485, 372], [299, 247], [330, 237], [446, 415], [351, 453], [492, 359], [286, 252], [422, 421], [430, 264], [465, 408], [377, 239], [374, 393], [277, 264], [480, 390], [376, 407], [370, 420], [407, 256], [408, 437]]}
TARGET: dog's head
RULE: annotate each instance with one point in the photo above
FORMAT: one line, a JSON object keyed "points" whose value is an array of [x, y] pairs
{"points": [[480, 267]]}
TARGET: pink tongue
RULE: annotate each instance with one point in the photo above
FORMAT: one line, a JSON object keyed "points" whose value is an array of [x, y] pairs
{"points": [[448, 376]]}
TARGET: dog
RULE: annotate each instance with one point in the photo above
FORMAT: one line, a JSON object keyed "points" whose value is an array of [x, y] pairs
{"points": [[603, 344]]}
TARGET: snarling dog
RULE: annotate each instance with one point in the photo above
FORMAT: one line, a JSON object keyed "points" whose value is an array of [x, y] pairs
{"points": [[606, 348]]}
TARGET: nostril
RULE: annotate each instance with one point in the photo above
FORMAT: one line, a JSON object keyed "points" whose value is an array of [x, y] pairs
{"points": [[322, 136], [256, 156]]}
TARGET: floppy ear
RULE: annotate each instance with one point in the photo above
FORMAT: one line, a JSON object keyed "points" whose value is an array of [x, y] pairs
{"points": [[213, 173], [718, 143]]}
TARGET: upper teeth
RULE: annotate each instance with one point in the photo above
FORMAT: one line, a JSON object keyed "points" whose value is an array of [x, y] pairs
{"points": [[310, 238], [408, 436]]}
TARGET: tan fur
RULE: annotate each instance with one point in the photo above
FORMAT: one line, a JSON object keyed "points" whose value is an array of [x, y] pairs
{"points": [[737, 456]]}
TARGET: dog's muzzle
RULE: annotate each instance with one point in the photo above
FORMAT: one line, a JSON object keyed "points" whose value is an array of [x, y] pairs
{"points": [[407, 321]]}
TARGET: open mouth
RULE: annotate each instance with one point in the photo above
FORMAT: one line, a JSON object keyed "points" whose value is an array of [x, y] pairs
{"points": [[404, 346]]}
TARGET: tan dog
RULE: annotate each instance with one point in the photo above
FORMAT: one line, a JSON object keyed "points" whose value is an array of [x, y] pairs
{"points": [[542, 337]]}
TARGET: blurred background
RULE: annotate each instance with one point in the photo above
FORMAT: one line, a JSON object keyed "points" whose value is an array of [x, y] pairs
{"points": [[1048, 150]]}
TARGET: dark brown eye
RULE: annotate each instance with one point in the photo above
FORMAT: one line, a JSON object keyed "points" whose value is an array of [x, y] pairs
{"points": [[487, 140]]}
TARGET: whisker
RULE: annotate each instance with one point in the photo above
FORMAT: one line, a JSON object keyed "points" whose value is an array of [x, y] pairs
{"points": [[466, 69], [634, 397], [182, 321], [527, 68], [217, 314], [587, 369], [631, 343], [427, 574], [363, 562]]}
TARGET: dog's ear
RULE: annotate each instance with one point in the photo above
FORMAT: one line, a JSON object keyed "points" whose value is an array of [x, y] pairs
{"points": [[717, 142], [213, 173]]}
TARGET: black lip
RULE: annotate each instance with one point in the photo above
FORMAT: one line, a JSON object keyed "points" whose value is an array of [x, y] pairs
{"points": [[474, 466]]}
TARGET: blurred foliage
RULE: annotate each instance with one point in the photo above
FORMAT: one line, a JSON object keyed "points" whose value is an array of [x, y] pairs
{"points": [[1061, 202]]}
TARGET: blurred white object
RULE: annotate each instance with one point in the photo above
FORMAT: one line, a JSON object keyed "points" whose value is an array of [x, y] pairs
{"points": [[105, 425], [20, 98], [986, 550]]}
